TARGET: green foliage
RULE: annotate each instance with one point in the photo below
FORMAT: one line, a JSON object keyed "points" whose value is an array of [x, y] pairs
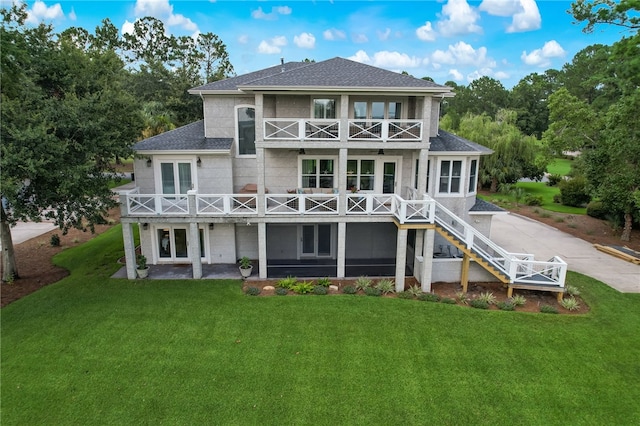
{"points": [[372, 291], [385, 286], [363, 283], [281, 291], [429, 297], [55, 240], [574, 192], [570, 303], [319, 290], [548, 309], [518, 300], [349, 289], [253, 291], [533, 200], [415, 290], [571, 290], [597, 209], [462, 297], [141, 261], [487, 297], [554, 179], [479, 304], [325, 282], [245, 262], [448, 301], [287, 283], [302, 288], [404, 295], [506, 306]]}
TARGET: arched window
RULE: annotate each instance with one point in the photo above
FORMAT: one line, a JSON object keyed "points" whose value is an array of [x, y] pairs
{"points": [[246, 119]]}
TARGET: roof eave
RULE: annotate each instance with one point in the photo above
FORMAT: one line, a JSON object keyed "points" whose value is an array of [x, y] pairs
{"points": [[460, 153], [439, 90], [183, 151]]}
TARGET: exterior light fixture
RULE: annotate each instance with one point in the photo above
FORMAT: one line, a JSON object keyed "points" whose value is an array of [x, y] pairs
{"points": [[148, 161], [381, 152], [211, 227], [145, 226], [301, 152], [199, 162]]}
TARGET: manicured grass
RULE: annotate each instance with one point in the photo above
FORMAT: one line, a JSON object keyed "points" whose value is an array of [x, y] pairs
{"points": [[94, 350], [559, 166], [114, 184], [535, 189]]}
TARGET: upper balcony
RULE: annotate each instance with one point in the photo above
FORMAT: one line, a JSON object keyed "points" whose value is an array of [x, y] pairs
{"points": [[330, 130]]}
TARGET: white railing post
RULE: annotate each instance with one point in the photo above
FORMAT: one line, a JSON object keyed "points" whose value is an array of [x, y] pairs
{"points": [[226, 204], [385, 129], [512, 267], [157, 198], [468, 237], [191, 202], [403, 211], [124, 203], [301, 203], [302, 128]]}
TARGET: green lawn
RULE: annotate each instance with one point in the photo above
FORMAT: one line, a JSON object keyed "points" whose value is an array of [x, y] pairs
{"points": [[559, 166], [93, 350], [535, 189]]}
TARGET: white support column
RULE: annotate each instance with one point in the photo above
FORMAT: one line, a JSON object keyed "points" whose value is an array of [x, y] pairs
{"points": [[423, 161], [401, 259], [129, 249], [342, 181], [427, 255], [344, 118], [427, 105], [194, 250], [260, 202], [262, 249], [342, 244], [417, 247]]}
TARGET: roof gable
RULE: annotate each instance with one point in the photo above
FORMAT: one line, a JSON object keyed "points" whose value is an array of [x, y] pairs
{"points": [[448, 142], [185, 138]]}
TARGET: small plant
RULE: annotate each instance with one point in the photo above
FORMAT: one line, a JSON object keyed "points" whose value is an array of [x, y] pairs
{"points": [[303, 287], [319, 290], [362, 283], [253, 291], [448, 301], [405, 295], [141, 261], [386, 286], [479, 304], [281, 291], [506, 306], [487, 297], [76, 240], [415, 290], [324, 282], [559, 219], [372, 291], [287, 283], [570, 304], [545, 215], [572, 290], [518, 300], [429, 297], [554, 179], [548, 309], [349, 289], [462, 297], [533, 200], [55, 240], [245, 262]]}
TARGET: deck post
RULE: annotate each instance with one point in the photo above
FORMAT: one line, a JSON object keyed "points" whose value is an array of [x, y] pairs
{"points": [[342, 238], [464, 274], [262, 250], [129, 249], [401, 259], [194, 248], [427, 263]]}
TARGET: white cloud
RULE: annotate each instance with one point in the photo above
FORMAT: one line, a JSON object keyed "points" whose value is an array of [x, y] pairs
{"points": [[528, 19], [40, 11], [479, 73], [500, 75], [395, 60], [500, 7], [359, 38], [383, 35], [426, 32], [462, 53], [243, 39], [72, 15], [272, 46], [275, 11], [305, 41], [333, 34], [458, 18], [161, 9], [456, 75], [360, 56], [127, 28], [542, 57]]}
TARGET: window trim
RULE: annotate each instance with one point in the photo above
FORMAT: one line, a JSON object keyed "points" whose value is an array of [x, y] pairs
{"points": [[157, 171], [236, 128], [318, 172], [155, 244], [336, 103], [474, 189], [463, 177], [369, 105]]}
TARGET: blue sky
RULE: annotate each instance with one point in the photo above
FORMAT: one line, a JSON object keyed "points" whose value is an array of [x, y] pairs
{"points": [[455, 40]]}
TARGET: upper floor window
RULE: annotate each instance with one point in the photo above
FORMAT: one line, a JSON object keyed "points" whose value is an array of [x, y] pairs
{"points": [[450, 175], [175, 177], [317, 173], [377, 110], [324, 108], [473, 176], [361, 174], [246, 117]]}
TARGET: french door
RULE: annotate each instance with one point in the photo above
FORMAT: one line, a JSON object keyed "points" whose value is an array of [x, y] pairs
{"points": [[316, 240], [173, 243]]}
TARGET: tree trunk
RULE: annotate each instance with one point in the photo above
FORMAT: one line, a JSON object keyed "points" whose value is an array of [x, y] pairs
{"points": [[626, 231], [494, 185], [9, 269]]}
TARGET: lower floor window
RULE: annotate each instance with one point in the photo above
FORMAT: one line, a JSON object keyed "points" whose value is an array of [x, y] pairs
{"points": [[173, 243]]}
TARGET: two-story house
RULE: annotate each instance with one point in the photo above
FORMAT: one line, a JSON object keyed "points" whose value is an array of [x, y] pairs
{"points": [[333, 168]]}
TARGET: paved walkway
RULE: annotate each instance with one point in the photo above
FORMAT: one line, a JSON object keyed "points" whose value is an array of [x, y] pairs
{"points": [[519, 234]]}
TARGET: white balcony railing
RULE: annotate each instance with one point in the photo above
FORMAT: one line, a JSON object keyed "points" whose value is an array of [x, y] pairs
{"points": [[300, 129]]}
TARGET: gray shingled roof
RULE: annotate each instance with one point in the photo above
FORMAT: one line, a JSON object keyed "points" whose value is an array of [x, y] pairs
{"points": [[448, 142], [485, 206], [336, 72], [185, 138]]}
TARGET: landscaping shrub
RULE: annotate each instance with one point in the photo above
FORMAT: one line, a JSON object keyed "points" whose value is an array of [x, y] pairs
{"points": [[405, 295], [386, 286], [518, 300], [319, 290], [548, 309], [363, 283], [533, 200], [287, 283], [429, 297], [462, 297], [349, 289], [324, 282], [302, 288], [253, 291], [281, 291], [557, 198], [55, 240], [572, 290], [570, 304], [554, 179], [448, 301], [415, 290], [574, 192], [487, 297], [372, 291], [479, 304], [506, 306], [597, 209]]}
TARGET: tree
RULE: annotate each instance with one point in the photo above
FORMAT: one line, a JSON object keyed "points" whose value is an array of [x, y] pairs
{"points": [[60, 131], [622, 13], [529, 99]]}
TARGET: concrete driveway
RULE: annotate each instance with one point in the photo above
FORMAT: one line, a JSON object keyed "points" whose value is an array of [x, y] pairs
{"points": [[520, 234]]}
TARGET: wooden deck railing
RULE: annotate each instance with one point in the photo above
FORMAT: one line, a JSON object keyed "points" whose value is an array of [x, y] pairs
{"points": [[304, 129]]}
